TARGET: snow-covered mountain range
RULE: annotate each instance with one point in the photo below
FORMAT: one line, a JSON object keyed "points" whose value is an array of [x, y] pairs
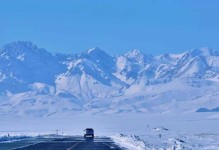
{"points": [[36, 82]]}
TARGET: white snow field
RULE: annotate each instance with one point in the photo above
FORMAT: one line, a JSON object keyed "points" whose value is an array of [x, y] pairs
{"points": [[198, 131], [142, 101]]}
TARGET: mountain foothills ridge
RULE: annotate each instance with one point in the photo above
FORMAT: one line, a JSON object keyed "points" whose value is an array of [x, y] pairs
{"points": [[36, 82]]}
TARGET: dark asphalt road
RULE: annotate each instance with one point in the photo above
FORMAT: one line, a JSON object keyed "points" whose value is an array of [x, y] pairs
{"points": [[76, 143]]}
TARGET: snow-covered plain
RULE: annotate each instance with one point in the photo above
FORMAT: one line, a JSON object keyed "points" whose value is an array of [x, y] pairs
{"points": [[135, 131], [142, 101]]}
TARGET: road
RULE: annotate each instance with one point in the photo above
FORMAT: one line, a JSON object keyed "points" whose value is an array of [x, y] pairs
{"points": [[74, 143]]}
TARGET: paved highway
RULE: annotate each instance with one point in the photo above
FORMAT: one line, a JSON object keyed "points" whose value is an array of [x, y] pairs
{"points": [[74, 143]]}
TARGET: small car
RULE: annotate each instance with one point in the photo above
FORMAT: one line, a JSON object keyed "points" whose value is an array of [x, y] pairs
{"points": [[89, 133]]}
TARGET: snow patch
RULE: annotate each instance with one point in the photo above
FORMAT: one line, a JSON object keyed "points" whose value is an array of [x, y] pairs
{"points": [[131, 142]]}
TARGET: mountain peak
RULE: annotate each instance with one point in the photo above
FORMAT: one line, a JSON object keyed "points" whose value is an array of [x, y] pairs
{"points": [[20, 45], [205, 51], [96, 53], [208, 51], [94, 50], [19, 48], [138, 56], [133, 53], [23, 50]]}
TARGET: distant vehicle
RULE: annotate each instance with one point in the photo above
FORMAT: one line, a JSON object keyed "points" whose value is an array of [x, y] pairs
{"points": [[89, 133]]}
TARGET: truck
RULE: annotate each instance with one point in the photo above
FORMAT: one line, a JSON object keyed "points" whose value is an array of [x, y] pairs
{"points": [[89, 133]]}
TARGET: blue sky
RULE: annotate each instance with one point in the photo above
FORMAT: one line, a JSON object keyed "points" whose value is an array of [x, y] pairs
{"points": [[152, 26]]}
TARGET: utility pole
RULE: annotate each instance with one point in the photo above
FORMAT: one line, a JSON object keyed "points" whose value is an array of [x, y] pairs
{"points": [[57, 132]]}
